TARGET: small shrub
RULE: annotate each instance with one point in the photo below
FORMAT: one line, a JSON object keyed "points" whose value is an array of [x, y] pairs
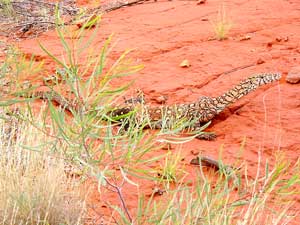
{"points": [[266, 199]]}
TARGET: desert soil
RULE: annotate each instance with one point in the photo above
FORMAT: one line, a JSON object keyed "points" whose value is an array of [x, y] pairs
{"points": [[265, 37]]}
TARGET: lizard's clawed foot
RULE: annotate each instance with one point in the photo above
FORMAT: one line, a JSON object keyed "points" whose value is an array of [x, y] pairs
{"points": [[207, 136]]}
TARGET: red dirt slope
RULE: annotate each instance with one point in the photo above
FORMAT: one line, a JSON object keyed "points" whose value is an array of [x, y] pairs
{"points": [[164, 33]]}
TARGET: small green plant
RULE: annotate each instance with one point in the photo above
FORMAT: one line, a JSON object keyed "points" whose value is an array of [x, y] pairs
{"points": [[84, 136], [266, 199], [170, 171], [222, 24]]}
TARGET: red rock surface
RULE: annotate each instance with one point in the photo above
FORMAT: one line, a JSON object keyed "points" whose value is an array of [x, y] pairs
{"points": [[164, 33]]}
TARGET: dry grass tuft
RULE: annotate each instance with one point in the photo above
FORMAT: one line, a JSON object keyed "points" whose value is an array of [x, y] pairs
{"points": [[34, 189], [222, 25]]}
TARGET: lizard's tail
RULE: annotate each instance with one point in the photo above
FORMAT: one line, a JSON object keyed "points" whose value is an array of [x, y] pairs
{"points": [[243, 88]]}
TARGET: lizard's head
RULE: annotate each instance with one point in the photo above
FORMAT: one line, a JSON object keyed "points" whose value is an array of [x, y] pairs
{"points": [[254, 82], [261, 79], [265, 78]]}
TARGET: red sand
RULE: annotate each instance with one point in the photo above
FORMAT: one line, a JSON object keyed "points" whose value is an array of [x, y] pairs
{"points": [[164, 33]]}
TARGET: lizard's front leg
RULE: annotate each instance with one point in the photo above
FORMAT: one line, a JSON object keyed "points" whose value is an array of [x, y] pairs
{"points": [[208, 136]]}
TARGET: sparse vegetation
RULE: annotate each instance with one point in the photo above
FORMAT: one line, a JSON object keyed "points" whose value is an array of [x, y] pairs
{"points": [[222, 24], [34, 186], [6, 8], [170, 170], [38, 142]]}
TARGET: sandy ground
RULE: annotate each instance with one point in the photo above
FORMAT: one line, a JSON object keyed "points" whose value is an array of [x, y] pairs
{"points": [[164, 33]]}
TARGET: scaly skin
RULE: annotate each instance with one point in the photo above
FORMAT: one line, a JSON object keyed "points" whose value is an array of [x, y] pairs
{"points": [[203, 110], [64, 103]]}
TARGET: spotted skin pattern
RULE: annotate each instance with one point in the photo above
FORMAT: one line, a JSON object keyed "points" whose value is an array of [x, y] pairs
{"points": [[64, 103], [203, 110]]}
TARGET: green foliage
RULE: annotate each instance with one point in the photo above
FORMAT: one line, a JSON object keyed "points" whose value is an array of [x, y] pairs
{"points": [[170, 170], [224, 201], [87, 138]]}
